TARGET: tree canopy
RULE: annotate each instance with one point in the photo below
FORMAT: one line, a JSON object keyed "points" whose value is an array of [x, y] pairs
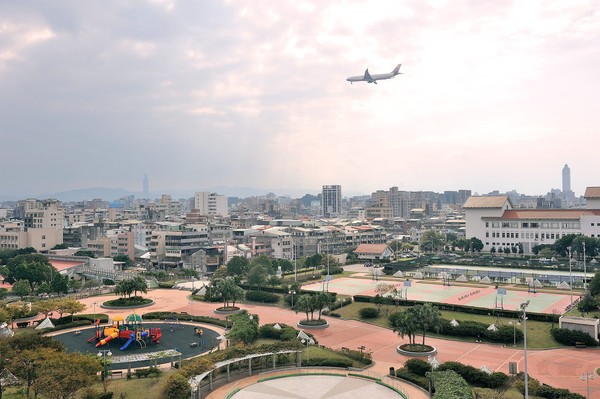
{"points": [[32, 267]]}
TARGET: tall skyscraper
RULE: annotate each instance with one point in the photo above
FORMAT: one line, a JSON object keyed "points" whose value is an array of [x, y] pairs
{"points": [[331, 201], [566, 179], [145, 189]]}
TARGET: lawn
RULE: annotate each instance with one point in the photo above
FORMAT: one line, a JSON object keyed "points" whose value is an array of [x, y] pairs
{"points": [[148, 388], [538, 333]]}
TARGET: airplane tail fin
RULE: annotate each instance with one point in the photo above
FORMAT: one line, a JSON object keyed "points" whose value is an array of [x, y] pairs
{"points": [[396, 70]]}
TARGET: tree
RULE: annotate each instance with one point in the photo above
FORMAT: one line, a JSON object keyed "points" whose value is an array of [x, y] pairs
{"points": [[285, 264], [493, 250], [229, 291], [59, 284], [257, 275], [85, 252], [427, 316], [320, 301], [32, 267], [139, 284], [404, 324], [587, 303], [124, 288], [431, 240], [60, 246], [123, 258], [69, 306], [273, 282], [546, 252], [594, 285], [21, 288], [61, 375], [475, 244], [237, 266], [244, 328], [45, 307], [176, 387], [306, 304]]}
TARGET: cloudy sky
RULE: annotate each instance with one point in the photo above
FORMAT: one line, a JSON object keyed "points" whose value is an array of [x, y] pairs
{"points": [[495, 95]]}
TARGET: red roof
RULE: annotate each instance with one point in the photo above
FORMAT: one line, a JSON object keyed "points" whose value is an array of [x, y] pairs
{"points": [[377, 249], [61, 265], [531, 214]]}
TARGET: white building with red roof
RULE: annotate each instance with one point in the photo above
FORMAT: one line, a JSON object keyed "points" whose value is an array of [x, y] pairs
{"points": [[373, 251], [494, 221]]}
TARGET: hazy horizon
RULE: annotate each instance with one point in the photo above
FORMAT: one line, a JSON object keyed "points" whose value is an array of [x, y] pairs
{"points": [[493, 95]]}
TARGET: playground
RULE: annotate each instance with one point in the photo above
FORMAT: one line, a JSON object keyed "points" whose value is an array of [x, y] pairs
{"points": [[485, 296], [131, 342]]}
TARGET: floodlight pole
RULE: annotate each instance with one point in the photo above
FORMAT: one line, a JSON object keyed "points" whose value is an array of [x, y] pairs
{"points": [[570, 279], [584, 271], [523, 307]]}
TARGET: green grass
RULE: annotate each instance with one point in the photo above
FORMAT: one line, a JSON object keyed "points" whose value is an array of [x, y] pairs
{"points": [[512, 393], [538, 333], [314, 352], [148, 388]]}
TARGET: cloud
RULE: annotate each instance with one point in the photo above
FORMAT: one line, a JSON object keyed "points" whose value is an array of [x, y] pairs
{"points": [[254, 94]]}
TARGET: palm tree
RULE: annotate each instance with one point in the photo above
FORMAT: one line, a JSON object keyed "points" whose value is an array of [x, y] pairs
{"points": [[306, 304], [427, 316], [405, 324]]}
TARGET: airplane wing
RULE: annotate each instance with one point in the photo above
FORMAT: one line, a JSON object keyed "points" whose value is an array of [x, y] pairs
{"points": [[368, 77]]}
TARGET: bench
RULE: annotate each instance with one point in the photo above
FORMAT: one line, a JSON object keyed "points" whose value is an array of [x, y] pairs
{"points": [[580, 344], [118, 373]]}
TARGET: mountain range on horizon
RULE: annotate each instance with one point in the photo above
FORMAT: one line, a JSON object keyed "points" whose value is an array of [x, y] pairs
{"points": [[112, 194]]}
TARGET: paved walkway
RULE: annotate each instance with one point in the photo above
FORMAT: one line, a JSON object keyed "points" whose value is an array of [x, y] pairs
{"points": [[560, 368]]}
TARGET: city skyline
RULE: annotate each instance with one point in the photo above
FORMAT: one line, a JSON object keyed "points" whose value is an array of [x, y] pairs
{"points": [[198, 95]]}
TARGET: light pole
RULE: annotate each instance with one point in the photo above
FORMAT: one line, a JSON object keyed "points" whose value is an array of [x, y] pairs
{"points": [[523, 307], [94, 305], [103, 353], [292, 292], [587, 376], [570, 279], [294, 250], [515, 324], [584, 271]]}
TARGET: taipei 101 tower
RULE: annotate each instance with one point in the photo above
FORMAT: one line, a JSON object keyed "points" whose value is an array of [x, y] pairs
{"points": [[568, 195]]}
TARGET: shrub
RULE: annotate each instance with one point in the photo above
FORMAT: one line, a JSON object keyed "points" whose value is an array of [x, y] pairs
{"points": [[475, 376], [323, 362], [176, 387], [262, 296], [570, 337], [369, 313], [333, 270], [421, 381], [286, 332], [417, 366], [448, 384]]}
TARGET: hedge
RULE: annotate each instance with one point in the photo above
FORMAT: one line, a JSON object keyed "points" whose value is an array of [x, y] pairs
{"points": [[262, 296], [369, 313], [323, 362], [475, 376], [185, 317], [463, 309], [419, 380], [417, 366], [570, 337], [89, 317], [449, 385], [285, 333]]}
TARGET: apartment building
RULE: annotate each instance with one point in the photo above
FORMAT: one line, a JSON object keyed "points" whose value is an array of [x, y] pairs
{"points": [[331, 201], [211, 204]]}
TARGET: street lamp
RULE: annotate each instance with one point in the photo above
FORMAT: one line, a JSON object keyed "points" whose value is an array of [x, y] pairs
{"points": [[94, 305], [584, 271], [515, 324], [523, 307], [587, 376], [570, 279], [292, 292], [103, 353]]}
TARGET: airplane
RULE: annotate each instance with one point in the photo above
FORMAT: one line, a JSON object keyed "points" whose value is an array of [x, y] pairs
{"points": [[374, 78]]}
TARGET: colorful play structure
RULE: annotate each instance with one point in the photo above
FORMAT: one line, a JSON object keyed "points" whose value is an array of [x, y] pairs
{"points": [[130, 329]]}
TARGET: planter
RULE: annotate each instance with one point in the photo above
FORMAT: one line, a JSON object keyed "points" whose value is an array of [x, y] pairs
{"points": [[312, 325], [144, 305], [401, 349], [228, 310]]}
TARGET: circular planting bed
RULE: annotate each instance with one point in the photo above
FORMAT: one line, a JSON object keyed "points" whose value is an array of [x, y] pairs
{"points": [[228, 310], [416, 350], [128, 303], [313, 324]]}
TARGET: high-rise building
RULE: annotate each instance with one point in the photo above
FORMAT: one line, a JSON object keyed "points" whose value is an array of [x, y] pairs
{"points": [[566, 179], [331, 201], [145, 189], [211, 204]]}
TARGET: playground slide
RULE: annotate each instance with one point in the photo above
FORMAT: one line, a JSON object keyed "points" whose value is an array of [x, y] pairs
{"points": [[157, 335], [97, 323], [107, 339], [129, 341]]}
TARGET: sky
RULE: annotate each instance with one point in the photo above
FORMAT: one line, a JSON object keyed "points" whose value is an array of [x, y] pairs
{"points": [[494, 95]]}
